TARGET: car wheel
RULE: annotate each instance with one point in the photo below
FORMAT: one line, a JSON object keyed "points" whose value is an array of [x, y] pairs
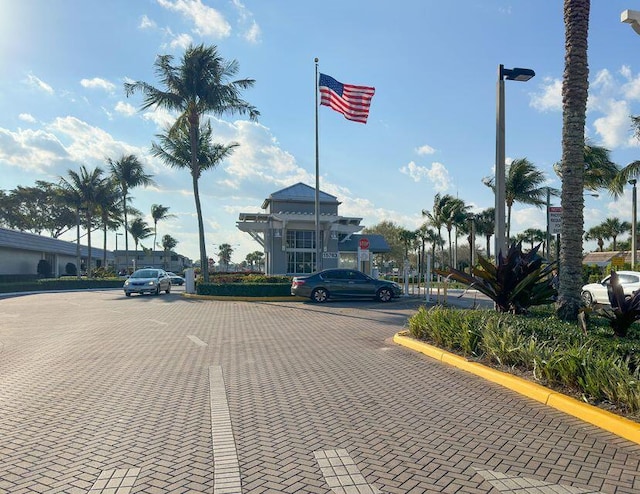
{"points": [[587, 298], [168, 290], [319, 295], [384, 295], [128, 294], [157, 292]]}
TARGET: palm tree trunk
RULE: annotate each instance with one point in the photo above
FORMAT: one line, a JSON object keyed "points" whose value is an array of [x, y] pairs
{"points": [[89, 243], [488, 237], [126, 230], [104, 245], [204, 262], [575, 86]]}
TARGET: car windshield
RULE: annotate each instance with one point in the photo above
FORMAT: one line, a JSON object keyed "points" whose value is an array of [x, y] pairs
{"points": [[146, 273]]}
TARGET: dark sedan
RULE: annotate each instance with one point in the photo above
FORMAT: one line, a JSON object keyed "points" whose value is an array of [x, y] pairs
{"points": [[343, 283]]}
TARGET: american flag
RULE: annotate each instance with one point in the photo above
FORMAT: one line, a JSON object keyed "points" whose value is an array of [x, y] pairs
{"points": [[352, 101]]}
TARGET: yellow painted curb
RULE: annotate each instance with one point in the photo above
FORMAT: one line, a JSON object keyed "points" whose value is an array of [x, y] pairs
{"points": [[608, 421]]}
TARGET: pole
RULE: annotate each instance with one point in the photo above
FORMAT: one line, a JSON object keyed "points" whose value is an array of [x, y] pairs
{"points": [[634, 222], [500, 192], [548, 237], [78, 260], [427, 280], [318, 266]]}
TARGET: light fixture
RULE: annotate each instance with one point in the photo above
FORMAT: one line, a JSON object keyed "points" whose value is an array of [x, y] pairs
{"points": [[631, 17]]}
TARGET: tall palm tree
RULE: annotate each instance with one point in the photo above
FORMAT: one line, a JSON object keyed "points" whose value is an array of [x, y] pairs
{"points": [[84, 187], [139, 230], [612, 227], [168, 243], [128, 173], [597, 233], [174, 150], [454, 213], [486, 225], [200, 84], [575, 88], [532, 235], [524, 184], [159, 212], [109, 204], [435, 216]]}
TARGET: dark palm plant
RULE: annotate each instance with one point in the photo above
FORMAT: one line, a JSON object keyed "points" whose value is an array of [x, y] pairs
{"points": [[200, 84], [139, 230], [128, 173], [625, 309], [575, 88]]}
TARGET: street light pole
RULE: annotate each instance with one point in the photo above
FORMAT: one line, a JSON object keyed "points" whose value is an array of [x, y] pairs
{"points": [[634, 222], [515, 74]]}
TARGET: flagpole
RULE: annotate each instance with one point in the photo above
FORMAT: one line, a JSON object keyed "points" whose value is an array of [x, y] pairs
{"points": [[317, 197]]}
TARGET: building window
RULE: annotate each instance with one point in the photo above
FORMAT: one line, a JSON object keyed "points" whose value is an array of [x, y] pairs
{"points": [[301, 262], [300, 239]]}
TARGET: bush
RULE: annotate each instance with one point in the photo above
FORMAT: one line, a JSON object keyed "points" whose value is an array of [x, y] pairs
{"points": [[70, 269], [245, 289], [44, 268]]}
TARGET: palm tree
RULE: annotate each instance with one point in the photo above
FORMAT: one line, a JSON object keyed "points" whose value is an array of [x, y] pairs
{"points": [[524, 183], [168, 243], [159, 212], [532, 235], [486, 225], [128, 173], [108, 203], [613, 227], [175, 150], [454, 213], [83, 188], [139, 230], [254, 257], [435, 216], [199, 85], [224, 254], [575, 88], [597, 233], [599, 171]]}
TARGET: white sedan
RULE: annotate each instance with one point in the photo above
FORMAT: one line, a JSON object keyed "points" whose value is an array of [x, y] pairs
{"points": [[596, 293]]}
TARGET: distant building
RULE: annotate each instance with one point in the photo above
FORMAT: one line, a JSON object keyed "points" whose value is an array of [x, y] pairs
{"points": [[167, 260], [20, 253], [607, 257], [286, 232]]}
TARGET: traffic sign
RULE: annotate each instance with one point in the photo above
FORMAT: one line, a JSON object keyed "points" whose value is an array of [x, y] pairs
{"points": [[364, 243], [555, 220]]}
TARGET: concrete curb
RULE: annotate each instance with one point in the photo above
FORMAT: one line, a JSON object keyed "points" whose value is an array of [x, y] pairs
{"points": [[608, 421]]}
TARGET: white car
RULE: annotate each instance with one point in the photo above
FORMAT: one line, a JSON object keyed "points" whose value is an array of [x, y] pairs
{"points": [[596, 293]]}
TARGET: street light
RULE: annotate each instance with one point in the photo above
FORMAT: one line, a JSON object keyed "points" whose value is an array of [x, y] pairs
{"points": [[631, 17], [515, 74], [634, 220]]}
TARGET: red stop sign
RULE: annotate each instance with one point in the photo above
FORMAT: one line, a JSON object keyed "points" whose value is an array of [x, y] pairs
{"points": [[364, 243]]}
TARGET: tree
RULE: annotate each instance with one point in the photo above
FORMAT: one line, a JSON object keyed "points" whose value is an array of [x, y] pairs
{"points": [[524, 184], [453, 213], [224, 254], [486, 226], [168, 244], [599, 171], [435, 217], [612, 227], [575, 89], [83, 189], [391, 233], [139, 230], [108, 209], [159, 212], [532, 235], [255, 257], [128, 173], [199, 85], [597, 233]]}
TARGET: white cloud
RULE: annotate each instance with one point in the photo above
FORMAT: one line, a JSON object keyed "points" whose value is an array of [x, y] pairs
{"points": [[252, 32], [33, 150], [425, 149], [614, 127], [27, 117], [34, 82], [252, 35], [207, 21], [550, 98], [146, 23], [181, 41], [125, 108], [98, 83], [437, 174]]}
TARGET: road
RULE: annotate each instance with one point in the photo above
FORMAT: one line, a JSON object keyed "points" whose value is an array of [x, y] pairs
{"points": [[100, 393]]}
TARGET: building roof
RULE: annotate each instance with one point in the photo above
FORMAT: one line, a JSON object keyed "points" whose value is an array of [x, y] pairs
{"points": [[14, 239], [377, 243], [299, 193], [604, 258]]}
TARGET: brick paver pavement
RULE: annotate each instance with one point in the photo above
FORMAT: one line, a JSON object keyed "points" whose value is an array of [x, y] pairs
{"points": [[102, 393]]}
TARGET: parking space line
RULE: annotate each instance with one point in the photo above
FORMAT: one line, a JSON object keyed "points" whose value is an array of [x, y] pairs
{"points": [[196, 340], [226, 468], [118, 481], [341, 473]]}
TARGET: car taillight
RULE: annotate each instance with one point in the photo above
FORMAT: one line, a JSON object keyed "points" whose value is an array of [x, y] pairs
{"points": [[297, 283]]}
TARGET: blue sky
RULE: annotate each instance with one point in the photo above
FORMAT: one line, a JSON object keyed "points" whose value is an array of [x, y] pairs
{"points": [[432, 122]]}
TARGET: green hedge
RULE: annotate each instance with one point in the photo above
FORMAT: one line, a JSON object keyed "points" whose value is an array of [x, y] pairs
{"points": [[59, 284], [244, 289]]}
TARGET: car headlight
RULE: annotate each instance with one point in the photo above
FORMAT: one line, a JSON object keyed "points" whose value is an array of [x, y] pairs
{"points": [[126, 283], [152, 283]]}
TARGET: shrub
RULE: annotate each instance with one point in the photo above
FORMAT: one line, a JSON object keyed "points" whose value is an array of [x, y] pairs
{"points": [[70, 269], [44, 268]]}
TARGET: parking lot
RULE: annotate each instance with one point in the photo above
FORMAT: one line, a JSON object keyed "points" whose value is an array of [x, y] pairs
{"points": [[150, 394]]}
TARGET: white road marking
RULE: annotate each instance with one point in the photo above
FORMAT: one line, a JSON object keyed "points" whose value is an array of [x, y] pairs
{"points": [[341, 473], [525, 485], [196, 340], [226, 469]]}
